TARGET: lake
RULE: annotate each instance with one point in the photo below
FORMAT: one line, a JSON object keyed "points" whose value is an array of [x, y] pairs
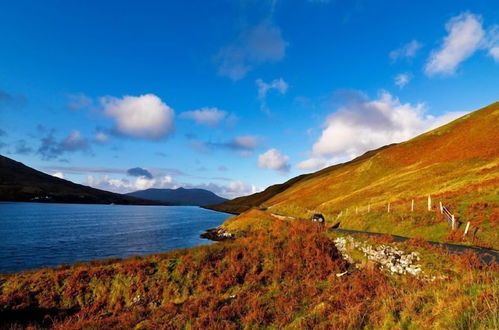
{"points": [[34, 235]]}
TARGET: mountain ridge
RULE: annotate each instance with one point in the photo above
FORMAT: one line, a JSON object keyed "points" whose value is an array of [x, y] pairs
{"points": [[21, 183]]}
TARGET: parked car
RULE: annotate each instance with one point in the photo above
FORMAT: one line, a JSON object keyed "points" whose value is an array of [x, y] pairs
{"points": [[318, 217]]}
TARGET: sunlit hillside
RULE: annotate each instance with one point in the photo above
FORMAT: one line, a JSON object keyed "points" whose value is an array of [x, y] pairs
{"points": [[456, 164]]}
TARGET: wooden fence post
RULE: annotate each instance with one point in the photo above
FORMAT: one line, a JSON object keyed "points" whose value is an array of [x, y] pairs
{"points": [[412, 206], [429, 202], [441, 208], [453, 222], [466, 229], [356, 210], [388, 207]]}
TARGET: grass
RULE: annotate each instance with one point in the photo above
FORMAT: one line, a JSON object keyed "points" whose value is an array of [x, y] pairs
{"points": [[457, 164], [279, 274]]}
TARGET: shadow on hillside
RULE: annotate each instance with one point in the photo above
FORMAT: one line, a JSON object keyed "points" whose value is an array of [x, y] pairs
{"points": [[39, 317]]}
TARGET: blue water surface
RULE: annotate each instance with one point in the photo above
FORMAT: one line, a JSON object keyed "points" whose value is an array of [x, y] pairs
{"points": [[34, 235]]}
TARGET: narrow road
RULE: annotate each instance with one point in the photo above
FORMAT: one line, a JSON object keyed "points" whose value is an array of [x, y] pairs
{"points": [[487, 256]]}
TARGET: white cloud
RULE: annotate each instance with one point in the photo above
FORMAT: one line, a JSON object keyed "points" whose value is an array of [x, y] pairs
{"points": [[465, 36], [144, 116], [362, 124], [491, 42], [256, 45], [237, 188], [402, 79], [59, 175], [205, 116], [494, 52], [232, 189], [272, 159], [409, 50], [123, 185], [312, 164]]}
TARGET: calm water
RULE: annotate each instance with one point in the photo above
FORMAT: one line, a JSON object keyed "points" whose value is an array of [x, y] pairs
{"points": [[36, 235]]}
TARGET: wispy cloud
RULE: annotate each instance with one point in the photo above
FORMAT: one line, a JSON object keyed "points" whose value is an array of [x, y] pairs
{"points": [[51, 148], [465, 35], [256, 45], [280, 85], [22, 148], [78, 101], [207, 116], [407, 51], [402, 79], [244, 145]]}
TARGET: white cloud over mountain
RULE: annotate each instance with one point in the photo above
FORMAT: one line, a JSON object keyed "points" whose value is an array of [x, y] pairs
{"points": [[361, 124]]}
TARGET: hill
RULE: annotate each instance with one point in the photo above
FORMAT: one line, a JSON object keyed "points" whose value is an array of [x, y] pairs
{"points": [[456, 164], [20, 183], [179, 196]]}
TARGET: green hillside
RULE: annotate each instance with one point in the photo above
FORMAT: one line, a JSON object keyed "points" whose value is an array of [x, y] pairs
{"points": [[456, 164]]}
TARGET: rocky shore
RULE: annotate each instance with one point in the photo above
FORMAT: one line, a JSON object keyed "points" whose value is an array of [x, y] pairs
{"points": [[217, 234]]}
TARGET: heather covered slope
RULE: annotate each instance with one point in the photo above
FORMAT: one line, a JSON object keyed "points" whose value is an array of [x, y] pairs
{"points": [[295, 277], [457, 164]]}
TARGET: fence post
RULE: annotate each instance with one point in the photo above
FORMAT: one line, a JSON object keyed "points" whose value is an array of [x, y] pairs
{"points": [[388, 207], [429, 202], [441, 208], [466, 229], [453, 222], [368, 208], [412, 206], [356, 210]]}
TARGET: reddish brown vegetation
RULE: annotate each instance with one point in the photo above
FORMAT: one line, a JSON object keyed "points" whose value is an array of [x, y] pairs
{"points": [[279, 277]]}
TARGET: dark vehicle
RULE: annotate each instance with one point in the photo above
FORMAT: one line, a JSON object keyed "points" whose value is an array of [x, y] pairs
{"points": [[318, 217]]}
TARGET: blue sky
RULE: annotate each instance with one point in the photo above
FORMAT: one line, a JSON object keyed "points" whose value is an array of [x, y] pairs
{"points": [[232, 95]]}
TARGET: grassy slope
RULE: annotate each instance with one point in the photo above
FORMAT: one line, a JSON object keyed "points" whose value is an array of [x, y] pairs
{"points": [[287, 279], [457, 164]]}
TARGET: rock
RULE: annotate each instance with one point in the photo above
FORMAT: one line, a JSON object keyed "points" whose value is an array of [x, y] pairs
{"points": [[388, 257], [217, 234]]}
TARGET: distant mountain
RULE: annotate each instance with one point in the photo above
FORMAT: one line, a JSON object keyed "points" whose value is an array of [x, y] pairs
{"points": [[180, 196], [21, 183]]}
